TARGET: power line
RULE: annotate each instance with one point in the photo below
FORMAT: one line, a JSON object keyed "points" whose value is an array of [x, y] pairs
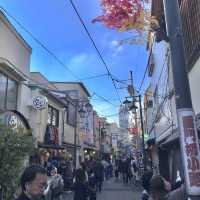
{"points": [[141, 84], [95, 46], [41, 44], [93, 77], [54, 56]]}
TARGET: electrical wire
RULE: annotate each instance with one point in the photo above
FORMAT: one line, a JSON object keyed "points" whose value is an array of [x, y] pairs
{"points": [[40, 43], [53, 55], [49, 51], [145, 72], [95, 47]]}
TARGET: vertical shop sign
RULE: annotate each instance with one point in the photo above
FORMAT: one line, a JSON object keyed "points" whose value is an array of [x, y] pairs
{"points": [[190, 150]]}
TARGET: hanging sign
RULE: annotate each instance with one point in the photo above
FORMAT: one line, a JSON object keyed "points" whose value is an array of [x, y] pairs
{"points": [[40, 102], [190, 150]]}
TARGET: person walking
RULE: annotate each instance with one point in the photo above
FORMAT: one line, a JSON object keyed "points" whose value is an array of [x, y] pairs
{"points": [[33, 183], [160, 189], [55, 185], [80, 187], [146, 178], [99, 175]]}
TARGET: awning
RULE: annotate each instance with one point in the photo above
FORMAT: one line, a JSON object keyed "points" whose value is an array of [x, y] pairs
{"points": [[50, 146], [174, 137], [69, 145]]}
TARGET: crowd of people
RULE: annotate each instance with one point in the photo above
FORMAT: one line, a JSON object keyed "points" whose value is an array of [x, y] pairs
{"points": [[51, 180]]}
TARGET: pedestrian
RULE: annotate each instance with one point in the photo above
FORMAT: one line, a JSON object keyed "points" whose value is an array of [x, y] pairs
{"points": [[92, 185], [99, 175], [160, 189], [55, 185], [80, 187], [146, 178], [33, 183]]}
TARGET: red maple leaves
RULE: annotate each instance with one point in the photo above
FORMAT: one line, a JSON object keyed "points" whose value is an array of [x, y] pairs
{"points": [[122, 14]]}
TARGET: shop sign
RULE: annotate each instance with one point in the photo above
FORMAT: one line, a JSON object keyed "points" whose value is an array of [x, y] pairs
{"points": [[40, 103], [190, 150]]}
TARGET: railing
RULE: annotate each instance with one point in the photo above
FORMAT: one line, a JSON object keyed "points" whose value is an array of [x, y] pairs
{"points": [[190, 14]]}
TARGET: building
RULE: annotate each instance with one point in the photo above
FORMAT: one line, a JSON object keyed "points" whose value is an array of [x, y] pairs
{"points": [[160, 109], [14, 74], [84, 125]]}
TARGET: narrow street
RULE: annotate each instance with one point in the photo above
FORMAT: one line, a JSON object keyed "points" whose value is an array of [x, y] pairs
{"points": [[114, 190]]}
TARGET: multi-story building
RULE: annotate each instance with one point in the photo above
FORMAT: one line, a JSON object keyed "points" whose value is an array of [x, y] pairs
{"points": [[84, 125], [161, 118], [15, 56]]}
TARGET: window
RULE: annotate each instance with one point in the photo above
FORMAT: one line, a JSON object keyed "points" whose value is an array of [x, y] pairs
{"points": [[53, 116], [8, 93], [190, 14], [71, 115]]}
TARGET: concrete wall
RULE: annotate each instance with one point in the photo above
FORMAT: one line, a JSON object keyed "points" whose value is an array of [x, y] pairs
{"points": [[12, 46], [71, 86], [162, 81], [194, 78], [39, 78]]}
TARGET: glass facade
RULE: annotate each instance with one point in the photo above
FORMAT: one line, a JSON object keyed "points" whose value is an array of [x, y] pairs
{"points": [[8, 93]]}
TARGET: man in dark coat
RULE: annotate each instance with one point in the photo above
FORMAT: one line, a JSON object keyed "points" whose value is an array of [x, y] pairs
{"points": [[33, 183], [99, 175]]}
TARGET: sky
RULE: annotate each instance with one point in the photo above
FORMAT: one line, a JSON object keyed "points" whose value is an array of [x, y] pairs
{"points": [[56, 25]]}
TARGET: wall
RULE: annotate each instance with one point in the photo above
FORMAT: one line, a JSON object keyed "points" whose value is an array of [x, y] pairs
{"points": [[164, 112], [12, 46], [71, 86], [194, 78]]}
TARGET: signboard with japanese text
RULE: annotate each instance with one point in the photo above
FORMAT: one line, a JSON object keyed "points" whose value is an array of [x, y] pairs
{"points": [[190, 150]]}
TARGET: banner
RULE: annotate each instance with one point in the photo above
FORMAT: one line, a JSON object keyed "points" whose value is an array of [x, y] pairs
{"points": [[190, 150]]}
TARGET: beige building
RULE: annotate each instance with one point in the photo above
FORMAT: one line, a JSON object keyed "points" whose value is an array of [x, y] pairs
{"points": [[85, 124], [15, 56]]}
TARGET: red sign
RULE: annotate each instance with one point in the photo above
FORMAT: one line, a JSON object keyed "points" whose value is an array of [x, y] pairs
{"points": [[133, 131], [190, 150]]}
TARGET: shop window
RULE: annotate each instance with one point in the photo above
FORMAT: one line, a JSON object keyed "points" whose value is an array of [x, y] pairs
{"points": [[53, 116], [8, 93], [71, 115]]}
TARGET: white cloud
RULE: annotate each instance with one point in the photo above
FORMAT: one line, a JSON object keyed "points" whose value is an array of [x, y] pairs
{"points": [[115, 47]]}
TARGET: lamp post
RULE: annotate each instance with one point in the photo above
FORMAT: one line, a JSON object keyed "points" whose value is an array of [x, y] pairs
{"points": [[83, 109], [133, 107]]}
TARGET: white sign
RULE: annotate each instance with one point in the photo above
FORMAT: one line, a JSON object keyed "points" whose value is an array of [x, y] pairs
{"points": [[190, 150], [40, 102]]}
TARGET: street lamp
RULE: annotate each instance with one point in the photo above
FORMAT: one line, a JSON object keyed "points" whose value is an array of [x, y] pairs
{"points": [[83, 108], [133, 107]]}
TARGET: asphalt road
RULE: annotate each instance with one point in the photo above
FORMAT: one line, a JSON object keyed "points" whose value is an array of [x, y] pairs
{"points": [[114, 190]]}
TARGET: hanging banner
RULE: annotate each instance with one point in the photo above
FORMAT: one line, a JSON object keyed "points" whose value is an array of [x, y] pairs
{"points": [[190, 150]]}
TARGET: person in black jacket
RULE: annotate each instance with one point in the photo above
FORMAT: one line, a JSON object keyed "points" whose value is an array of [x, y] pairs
{"points": [[80, 187], [99, 175], [33, 183], [146, 178]]}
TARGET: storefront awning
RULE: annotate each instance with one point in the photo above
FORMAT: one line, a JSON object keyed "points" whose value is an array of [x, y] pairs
{"points": [[69, 145], [174, 137], [50, 146]]}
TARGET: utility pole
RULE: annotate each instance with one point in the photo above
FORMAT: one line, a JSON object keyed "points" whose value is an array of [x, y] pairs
{"points": [[185, 113], [99, 138], [142, 127], [75, 134], [132, 93]]}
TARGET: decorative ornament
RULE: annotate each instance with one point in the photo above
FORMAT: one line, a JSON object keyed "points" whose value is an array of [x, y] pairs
{"points": [[40, 102]]}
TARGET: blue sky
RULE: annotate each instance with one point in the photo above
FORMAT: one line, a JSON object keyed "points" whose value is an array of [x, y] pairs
{"points": [[56, 25]]}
